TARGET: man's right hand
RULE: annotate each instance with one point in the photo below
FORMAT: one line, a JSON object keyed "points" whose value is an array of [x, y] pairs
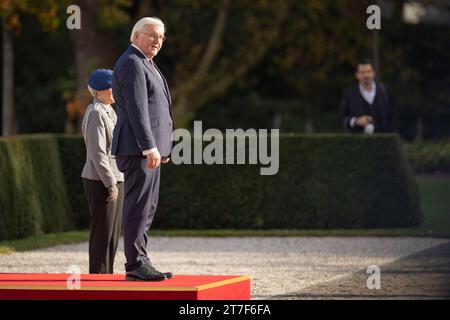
{"points": [[153, 159], [363, 121]]}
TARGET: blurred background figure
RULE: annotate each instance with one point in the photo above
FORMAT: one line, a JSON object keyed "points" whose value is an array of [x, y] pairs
{"points": [[367, 107], [102, 180]]}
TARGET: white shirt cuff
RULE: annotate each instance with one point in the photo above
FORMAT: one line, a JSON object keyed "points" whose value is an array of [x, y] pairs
{"points": [[369, 129], [148, 151], [352, 122]]}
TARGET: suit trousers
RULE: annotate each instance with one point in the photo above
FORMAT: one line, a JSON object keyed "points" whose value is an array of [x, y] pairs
{"points": [[140, 202], [105, 225]]}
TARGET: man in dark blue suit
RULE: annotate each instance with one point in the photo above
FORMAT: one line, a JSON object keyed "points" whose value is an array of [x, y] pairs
{"points": [[142, 140]]}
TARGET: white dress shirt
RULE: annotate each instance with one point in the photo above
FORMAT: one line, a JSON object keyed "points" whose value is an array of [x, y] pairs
{"points": [[369, 96]]}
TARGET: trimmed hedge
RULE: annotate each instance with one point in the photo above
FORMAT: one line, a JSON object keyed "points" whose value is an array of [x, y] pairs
{"points": [[324, 181], [33, 196], [72, 153]]}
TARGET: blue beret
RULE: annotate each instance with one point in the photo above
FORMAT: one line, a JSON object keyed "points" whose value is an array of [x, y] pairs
{"points": [[100, 79]]}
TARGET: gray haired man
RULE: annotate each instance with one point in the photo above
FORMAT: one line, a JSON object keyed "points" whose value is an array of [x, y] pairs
{"points": [[142, 140]]}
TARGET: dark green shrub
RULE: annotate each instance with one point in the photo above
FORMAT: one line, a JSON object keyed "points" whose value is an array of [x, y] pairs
{"points": [[429, 156], [72, 153], [324, 181], [33, 196]]}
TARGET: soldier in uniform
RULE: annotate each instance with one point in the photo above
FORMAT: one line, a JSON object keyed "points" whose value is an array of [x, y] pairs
{"points": [[102, 181]]}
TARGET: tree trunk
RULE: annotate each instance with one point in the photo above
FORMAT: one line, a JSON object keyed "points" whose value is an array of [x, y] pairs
{"points": [[181, 95], [8, 118], [204, 84]]}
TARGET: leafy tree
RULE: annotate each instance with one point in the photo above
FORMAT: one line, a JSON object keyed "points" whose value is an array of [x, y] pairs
{"points": [[10, 13], [92, 44]]}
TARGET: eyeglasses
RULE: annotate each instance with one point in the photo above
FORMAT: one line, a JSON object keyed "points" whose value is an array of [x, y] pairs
{"points": [[155, 36]]}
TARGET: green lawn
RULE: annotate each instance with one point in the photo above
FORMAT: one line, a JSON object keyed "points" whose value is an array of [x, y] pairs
{"points": [[435, 197], [42, 241]]}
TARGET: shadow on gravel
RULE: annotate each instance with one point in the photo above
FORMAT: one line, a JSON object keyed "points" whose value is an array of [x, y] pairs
{"points": [[424, 275]]}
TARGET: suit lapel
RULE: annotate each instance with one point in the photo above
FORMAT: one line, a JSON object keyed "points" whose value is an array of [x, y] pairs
{"points": [[161, 79], [149, 67], [166, 87]]}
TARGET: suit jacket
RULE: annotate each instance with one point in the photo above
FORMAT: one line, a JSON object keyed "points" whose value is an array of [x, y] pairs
{"points": [[144, 118], [97, 127], [382, 109]]}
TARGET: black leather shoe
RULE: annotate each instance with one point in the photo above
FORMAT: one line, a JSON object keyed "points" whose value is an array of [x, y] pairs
{"points": [[145, 273], [167, 275], [152, 269]]}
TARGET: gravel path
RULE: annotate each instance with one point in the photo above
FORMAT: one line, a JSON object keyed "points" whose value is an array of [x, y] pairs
{"points": [[280, 267]]}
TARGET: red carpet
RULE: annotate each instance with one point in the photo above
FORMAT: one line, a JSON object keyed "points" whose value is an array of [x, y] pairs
{"points": [[107, 286]]}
